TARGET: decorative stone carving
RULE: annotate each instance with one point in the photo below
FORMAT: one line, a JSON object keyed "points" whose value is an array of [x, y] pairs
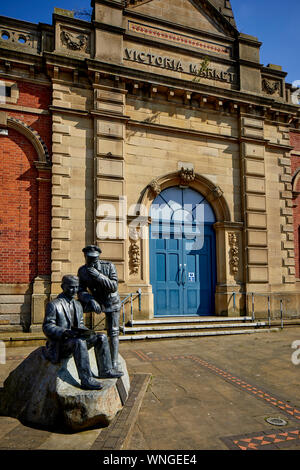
{"points": [[20, 37], [155, 188], [234, 252], [187, 176], [74, 41], [134, 252], [217, 192], [271, 87]]}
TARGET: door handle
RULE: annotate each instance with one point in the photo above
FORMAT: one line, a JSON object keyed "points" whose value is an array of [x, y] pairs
{"points": [[183, 273], [180, 274]]}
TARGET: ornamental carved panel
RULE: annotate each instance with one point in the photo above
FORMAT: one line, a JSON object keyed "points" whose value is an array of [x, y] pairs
{"points": [[271, 87], [75, 41], [234, 257]]}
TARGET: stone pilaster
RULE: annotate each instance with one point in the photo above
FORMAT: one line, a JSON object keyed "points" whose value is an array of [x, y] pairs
{"points": [[109, 171], [230, 262], [60, 192], [287, 227], [254, 200]]}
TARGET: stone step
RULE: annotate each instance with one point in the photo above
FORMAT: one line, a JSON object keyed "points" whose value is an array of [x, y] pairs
{"points": [[181, 335], [181, 320], [180, 327]]}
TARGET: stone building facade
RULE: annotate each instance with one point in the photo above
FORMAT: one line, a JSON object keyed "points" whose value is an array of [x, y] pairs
{"points": [[150, 99]]}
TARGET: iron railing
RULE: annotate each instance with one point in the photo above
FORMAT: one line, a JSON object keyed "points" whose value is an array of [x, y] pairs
{"points": [[138, 295], [258, 294], [130, 298]]}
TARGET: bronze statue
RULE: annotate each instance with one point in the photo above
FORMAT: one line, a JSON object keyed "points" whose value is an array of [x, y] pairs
{"points": [[98, 292], [67, 336]]}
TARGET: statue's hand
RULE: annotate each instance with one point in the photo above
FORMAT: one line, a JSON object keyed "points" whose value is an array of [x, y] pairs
{"points": [[93, 271], [95, 306], [69, 334]]}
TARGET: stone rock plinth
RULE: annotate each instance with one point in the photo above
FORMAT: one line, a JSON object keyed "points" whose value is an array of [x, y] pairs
{"points": [[43, 394]]}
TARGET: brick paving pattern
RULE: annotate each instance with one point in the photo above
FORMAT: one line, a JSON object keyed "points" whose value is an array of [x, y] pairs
{"points": [[244, 442], [263, 441]]}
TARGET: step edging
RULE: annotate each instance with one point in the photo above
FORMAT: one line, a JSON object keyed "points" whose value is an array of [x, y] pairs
{"points": [[206, 333]]}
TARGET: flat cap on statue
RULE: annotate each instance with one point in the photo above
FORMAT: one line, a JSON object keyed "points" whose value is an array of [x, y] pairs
{"points": [[92, 250]]}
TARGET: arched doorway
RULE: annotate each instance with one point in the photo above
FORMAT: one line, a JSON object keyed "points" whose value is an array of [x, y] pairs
{"points": [[182, 253]]}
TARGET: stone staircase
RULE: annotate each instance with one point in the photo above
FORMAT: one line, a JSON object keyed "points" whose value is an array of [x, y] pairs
{"points": [[178, 327], [164, 328]]}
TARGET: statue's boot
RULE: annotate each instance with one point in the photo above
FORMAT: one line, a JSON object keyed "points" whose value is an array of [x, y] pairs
{"points": [[82, 361], [91, 384], [103, 359], [114, 351]]}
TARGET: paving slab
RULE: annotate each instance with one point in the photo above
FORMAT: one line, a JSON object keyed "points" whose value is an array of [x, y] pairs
{"points": [[197, 394]]}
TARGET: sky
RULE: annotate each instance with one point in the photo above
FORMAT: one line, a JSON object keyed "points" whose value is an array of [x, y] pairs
{"points": [[275, 26]]}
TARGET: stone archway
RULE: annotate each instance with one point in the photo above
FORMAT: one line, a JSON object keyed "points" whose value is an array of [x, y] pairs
{"points": [[33, 137], [186, 178], [229, 275], [36, 174]]}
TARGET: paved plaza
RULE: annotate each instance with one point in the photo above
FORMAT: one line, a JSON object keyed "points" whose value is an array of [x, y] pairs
{"points": [[213, 393]]}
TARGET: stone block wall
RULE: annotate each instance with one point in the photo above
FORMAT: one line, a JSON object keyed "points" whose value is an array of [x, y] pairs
{"points": [[295, 210]]}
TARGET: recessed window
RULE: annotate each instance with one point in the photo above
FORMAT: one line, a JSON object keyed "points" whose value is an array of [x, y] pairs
{"points": [[5, 36], [22, 40], [9, 92]]}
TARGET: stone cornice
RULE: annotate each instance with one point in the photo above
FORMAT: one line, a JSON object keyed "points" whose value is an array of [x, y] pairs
{"points": [[58, 109], [16, 23], [244, 38], [281, 147], [36, 81], [206, 90], [109, 27], [273, 72], [54, 58], [109, 115], [111, 3], [208, 135], [21, 56], [179, 130], [73, 21], [23, 109], [249, 63], [229, 225]]}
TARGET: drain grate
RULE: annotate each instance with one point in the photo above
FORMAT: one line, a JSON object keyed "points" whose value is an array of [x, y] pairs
{"points": [[277, 421]]}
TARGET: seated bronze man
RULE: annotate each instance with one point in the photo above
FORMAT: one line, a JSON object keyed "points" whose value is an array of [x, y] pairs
{"points": [[67, 336]]}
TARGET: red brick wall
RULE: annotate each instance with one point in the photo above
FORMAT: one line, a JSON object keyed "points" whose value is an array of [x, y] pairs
{"points": [[295, 165], [25, 202]]}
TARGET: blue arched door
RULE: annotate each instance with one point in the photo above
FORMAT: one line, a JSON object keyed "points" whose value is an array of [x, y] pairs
{"points": [[182, 253]]}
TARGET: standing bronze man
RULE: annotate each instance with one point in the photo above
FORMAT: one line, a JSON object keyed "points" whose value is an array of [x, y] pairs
{"points": [[98, 292]]}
